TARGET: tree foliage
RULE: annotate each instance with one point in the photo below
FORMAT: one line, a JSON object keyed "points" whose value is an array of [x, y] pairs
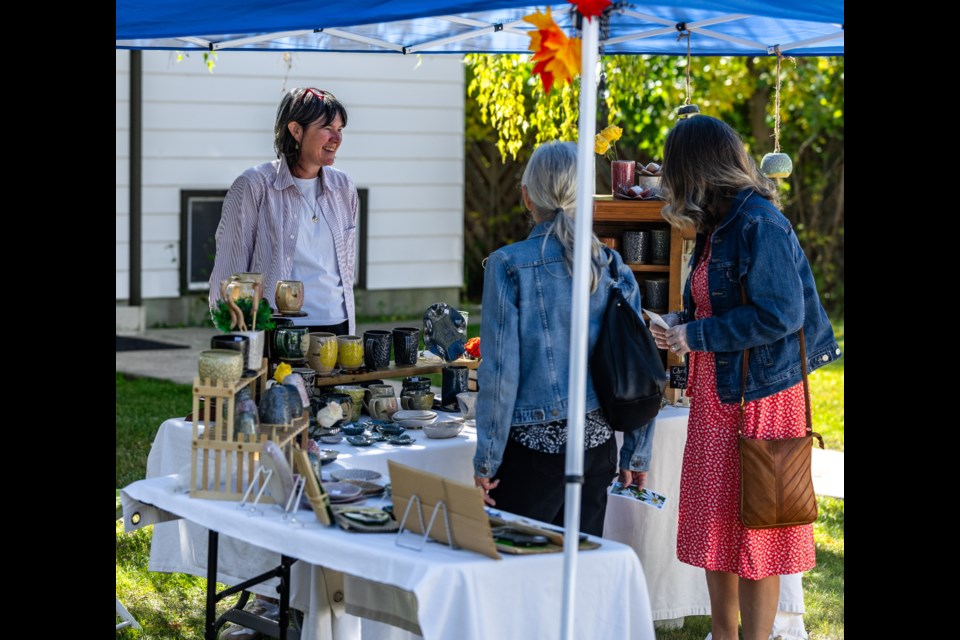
{"points": [[641, 95]]}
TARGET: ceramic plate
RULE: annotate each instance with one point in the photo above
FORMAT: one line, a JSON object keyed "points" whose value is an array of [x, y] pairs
{"points": [[341, 491], [444, 331], [402, 440], [281, 482], [368, 488], [354, 474], [359, 441]]}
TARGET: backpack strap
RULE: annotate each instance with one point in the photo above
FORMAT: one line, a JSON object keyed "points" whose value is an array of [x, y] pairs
{"points": [[612, 264]]}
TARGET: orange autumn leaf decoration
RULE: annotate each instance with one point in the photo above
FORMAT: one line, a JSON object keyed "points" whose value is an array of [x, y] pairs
{"points": [[590, 8], [556, 55], [473, 347]]}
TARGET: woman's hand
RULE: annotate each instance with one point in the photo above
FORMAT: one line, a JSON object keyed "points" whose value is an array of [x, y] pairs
{"points": [[676, 339], [660, 334], [487, 485], [637, 478]]}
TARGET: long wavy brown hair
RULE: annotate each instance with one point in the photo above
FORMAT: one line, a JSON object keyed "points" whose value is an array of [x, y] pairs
{"points": [[705, 164]]}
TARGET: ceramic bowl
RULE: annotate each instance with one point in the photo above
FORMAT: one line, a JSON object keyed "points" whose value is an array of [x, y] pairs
{"points": [[220, 364], [404, 439], [390, 429], [414, 419], [446, 429], [359, 441], [331, 439], [353, 429], [468, 404]]}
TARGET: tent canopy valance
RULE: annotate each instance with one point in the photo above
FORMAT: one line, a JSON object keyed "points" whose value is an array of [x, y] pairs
{"points": [[731, 27]]}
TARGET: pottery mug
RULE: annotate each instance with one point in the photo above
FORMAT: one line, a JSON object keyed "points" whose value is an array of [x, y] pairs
{"points": [[377, 391], [233, 342], [376, 348], [454, 382], [289, 296], [418, 400], [356, 394], [322, 352], [382, 407], [468, 404], [349, 352], [406, 344], [291, 343]]}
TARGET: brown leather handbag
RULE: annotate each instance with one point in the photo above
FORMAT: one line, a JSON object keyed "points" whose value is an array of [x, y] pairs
{"points": [[776, 483]]}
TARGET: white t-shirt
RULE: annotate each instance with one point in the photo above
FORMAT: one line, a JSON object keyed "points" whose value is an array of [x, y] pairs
{"points": [[315, 263]]}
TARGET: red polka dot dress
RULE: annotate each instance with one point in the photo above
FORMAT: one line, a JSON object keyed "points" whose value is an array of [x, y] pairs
{"points": [[709, 534]]}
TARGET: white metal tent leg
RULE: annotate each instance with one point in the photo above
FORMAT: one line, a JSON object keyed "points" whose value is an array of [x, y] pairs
{"points": [[128, 620], [580, 322]]}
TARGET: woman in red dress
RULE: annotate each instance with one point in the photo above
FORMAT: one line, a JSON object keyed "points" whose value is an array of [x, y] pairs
{"points": [[745, 246]]}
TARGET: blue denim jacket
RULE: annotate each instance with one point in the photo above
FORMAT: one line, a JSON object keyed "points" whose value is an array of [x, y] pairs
{"points": [[525, 341], [755, 245]]}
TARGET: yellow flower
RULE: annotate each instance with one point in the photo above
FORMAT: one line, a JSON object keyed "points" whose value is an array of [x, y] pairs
{"points": [[612, 133], [283, 370], [601, 145]]}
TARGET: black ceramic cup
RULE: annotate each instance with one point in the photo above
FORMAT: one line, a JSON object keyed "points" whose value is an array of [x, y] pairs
{"points": [[454, 382], [406, 344], [232, 341], [376, 348]]}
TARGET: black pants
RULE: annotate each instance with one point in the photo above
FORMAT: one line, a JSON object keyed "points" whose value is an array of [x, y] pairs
{"points": [[341, 329], [531, 484]]}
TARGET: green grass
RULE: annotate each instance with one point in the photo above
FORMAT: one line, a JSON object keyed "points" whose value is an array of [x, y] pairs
{"points": [[826, 397]]}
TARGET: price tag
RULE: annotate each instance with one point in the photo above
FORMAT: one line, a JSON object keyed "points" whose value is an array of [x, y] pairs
{"points": [[678, 376]]}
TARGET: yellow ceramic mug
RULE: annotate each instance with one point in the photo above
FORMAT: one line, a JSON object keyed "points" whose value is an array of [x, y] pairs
{"points": [[349, 352], [322, 352]]}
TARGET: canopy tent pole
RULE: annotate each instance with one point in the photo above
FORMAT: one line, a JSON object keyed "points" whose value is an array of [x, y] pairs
{"points": [[580, 321], [135, 215]]}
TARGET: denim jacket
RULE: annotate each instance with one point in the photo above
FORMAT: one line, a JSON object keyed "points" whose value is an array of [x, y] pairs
{"points": [[755, 245], [525, 341]]}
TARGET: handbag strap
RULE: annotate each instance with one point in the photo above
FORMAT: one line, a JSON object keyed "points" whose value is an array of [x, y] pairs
{"points": [[803, 369]]}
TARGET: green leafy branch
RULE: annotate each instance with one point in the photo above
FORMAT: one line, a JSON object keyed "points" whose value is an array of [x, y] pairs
{"points": [[222, 318]]}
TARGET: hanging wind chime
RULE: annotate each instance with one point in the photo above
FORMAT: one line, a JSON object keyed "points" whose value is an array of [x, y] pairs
{"points": [[776, 164], [687, 109]]}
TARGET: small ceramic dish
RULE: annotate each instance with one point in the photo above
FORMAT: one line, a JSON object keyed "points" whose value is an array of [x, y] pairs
{"points": [[376, 436], [353, 429], [327, 455], [354, 474], [368, 488], [334, 439], [414, 419], [446, 429], [402, 440], [359, 441], [391, 429]]}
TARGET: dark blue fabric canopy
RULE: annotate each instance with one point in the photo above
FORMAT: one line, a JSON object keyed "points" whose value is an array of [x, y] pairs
{"points": [[719, 27]]}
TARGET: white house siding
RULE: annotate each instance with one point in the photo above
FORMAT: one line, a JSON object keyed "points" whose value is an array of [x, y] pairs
{"points": [[404, 142]]}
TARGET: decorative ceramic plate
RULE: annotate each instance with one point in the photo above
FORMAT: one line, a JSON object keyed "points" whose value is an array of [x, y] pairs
{"points": [[444, 331], [402, 440], [354, 474], [359, 441], [281, 482], [368, 488]]}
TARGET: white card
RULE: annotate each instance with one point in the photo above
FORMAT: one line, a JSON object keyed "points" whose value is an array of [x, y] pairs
{"points": [[656, 319], [651, 498]]}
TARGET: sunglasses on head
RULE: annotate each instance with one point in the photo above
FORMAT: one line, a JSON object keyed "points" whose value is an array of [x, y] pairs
{"points": [[316, 93]]}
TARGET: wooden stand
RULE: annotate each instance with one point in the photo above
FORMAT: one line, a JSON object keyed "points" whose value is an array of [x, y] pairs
{"points": [[223, 462], [393, 371]]}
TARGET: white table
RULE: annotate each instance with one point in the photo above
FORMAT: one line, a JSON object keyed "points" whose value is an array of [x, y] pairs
{"points": [[460, 594], [678, 589]]}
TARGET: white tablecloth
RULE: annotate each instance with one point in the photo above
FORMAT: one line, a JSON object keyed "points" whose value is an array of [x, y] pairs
{"points": [[460, 594], [678, 589]]}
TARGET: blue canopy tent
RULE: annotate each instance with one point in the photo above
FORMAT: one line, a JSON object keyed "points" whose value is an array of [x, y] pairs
{"points": [[403, 27]]}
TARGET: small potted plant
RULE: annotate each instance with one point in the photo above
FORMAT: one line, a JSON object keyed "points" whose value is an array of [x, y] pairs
{"points": [[234, 313]]}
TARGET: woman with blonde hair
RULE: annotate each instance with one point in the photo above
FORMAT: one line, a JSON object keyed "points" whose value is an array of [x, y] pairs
{"points": [[750, 287], [525, 333]]}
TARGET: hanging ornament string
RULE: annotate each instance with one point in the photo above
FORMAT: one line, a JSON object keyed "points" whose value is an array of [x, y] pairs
{"points": [[686, 109], [776, 113]]}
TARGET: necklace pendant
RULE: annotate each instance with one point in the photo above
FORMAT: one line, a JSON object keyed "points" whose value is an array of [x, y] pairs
{"points": [[316, 218]]}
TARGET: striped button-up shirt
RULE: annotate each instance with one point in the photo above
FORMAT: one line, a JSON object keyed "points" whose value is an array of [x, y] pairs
{"points": [[260, 222]]}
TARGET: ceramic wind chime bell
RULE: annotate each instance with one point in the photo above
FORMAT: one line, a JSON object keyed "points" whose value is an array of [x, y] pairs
{"points": [[776, 164]]}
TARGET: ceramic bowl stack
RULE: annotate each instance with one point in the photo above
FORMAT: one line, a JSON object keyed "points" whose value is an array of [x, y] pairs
{"points": [[414, 418]]}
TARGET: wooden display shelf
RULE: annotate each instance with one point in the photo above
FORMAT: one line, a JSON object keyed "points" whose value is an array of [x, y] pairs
{"points": [[653, 268], [393, 371]]}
